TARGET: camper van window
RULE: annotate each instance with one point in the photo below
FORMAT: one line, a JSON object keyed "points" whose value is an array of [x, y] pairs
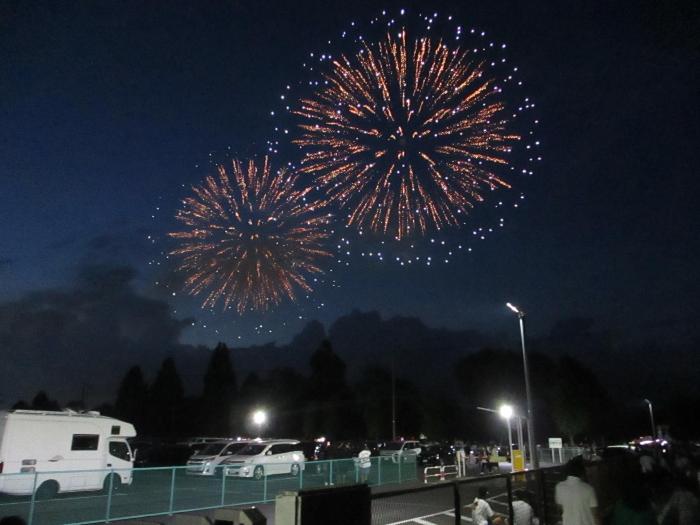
{"points": [[85, 442], [116, 429], [118, 449]]}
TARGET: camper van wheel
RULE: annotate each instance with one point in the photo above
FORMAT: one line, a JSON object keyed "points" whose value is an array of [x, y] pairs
{"points": [[116, 483], [258, 473], [295, 469], [47, 490]]}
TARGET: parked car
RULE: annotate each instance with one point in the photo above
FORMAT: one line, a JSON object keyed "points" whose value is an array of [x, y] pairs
{"points": [[401, 450], [436, 454], [264, 458], [206, 461], [69, 452]]}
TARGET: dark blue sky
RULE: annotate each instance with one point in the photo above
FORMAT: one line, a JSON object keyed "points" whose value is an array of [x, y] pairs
{"points": [[108, 107]]}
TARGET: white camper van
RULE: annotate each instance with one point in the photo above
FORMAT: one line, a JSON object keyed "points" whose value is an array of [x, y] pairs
{"points": [[65, 451]]}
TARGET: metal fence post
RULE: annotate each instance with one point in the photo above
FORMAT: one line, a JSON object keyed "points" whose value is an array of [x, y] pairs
{"points": [[30, 518], [543, 491], [264, 487], [109, 495], [458, 503], [301, 478], [379, 472], [172, 492], [509, 489], [330, 476], [399, 457], [223, 486]]}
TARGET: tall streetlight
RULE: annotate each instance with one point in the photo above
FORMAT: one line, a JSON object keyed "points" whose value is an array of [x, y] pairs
{"points": [[530, 417], [506, 412], [651, 418]]}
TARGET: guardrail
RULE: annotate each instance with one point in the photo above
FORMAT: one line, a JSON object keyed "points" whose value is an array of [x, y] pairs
{"points": [[439, 473], [169, 490]]}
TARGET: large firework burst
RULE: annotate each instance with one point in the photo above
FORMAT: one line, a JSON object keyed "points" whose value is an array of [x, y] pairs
{"points": [[251, 237], [405, 137]]}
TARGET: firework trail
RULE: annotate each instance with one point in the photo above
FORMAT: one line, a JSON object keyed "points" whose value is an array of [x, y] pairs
{"points": [[405, 137], [250, 237]]}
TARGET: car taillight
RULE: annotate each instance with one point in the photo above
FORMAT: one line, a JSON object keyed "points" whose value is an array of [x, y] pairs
{"points": [[1, 465]]}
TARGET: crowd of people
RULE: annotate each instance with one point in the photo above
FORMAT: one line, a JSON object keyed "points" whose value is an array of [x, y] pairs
{"points": [[652, 488]]}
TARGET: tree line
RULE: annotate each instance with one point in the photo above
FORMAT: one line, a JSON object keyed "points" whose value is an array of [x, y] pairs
{"points": [[569, 400]]}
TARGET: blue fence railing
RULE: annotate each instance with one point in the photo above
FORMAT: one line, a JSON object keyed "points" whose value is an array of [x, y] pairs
{"points": [[61, 497]]}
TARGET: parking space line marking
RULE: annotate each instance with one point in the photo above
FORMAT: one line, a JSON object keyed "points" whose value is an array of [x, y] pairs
{"points": [[452, 515], [414, 520], [423, 522]]}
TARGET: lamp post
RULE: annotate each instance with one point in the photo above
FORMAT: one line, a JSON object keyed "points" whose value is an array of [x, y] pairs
{"points": [[506, 412], [259, 418], [651, 418], [530, 418]]}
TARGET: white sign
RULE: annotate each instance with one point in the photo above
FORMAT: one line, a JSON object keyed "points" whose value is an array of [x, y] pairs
{"points": [[555, 443]]}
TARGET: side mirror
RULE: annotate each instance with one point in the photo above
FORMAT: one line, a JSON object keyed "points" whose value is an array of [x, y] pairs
{"points": [[268, 453]]}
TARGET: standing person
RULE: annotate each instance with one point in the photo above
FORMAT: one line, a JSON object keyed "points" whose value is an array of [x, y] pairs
{"points": [[576, 497], [484, 459], [493, 458], [461, 460], [364, 463]]}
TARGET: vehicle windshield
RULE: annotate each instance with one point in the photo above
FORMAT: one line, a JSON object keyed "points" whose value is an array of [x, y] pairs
{"points": [[393, 446], [212, 449], [251, 450]]}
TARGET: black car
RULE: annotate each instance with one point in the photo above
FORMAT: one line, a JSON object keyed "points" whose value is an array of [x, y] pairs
{"points": [[435, 454]]}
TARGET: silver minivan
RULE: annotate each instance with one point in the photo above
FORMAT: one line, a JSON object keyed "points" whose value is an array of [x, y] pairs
{"points": [[263, 458], [206, 461]]}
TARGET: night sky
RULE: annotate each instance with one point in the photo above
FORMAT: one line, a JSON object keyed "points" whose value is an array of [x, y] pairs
{"points": [[110, 111]]}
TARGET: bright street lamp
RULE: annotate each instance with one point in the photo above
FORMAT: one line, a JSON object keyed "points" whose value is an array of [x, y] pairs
{"points": [[506, 412], [259, 418], [530, 417]]}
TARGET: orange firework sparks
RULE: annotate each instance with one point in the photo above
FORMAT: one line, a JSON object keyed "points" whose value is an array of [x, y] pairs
{"points": [[251, 237], [405, 137]]}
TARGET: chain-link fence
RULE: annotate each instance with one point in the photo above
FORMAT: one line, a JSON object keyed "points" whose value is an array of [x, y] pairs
{"points": [[558, 456], [52, 498]]}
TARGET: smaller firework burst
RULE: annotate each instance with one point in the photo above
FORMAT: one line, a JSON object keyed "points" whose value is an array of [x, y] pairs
{"points": [[251, 239]]}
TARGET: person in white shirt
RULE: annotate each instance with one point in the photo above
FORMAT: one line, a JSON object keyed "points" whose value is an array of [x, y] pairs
{"points": [[364, 463], [522, 511], [482, 513], [576, 497]]}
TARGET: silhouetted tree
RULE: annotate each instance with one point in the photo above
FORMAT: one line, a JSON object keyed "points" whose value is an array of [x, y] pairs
{"points": [[132, 400], [43, 402], [219, 394], [285, 389], [21, 405], [166, 400], [491, 377], [373, 392], [579, 401], [332, 407]]}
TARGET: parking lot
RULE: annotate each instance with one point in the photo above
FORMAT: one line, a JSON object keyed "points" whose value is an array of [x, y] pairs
{"points": [[163, 491]]}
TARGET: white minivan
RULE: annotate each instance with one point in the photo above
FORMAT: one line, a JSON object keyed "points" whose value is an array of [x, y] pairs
{"points": [[263, 458], [401, 450], [65, 451], [206, 460]]}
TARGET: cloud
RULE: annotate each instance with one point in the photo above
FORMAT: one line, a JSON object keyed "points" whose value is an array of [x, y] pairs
{"points": [[88, 334]]}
